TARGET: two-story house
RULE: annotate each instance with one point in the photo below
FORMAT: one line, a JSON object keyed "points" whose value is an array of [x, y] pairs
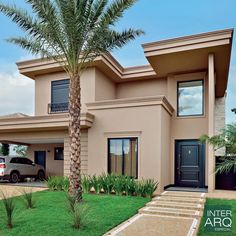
{"points": [[142, 121]]}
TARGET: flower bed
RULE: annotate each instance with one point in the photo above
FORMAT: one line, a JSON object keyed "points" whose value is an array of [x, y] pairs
{"points": [[119, 185]]}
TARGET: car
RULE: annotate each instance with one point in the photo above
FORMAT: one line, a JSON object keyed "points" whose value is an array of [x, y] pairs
{"points": [[16, 169]]}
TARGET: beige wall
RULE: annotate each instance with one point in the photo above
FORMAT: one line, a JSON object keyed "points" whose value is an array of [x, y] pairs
{"points": [[144, 122], [53, 167], [187, 127], [105, 88], [43, 89], [165, 149], [142, 88]]}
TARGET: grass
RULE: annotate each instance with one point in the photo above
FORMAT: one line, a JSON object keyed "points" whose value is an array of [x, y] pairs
{"points": [[51, 215], [219, 202]]}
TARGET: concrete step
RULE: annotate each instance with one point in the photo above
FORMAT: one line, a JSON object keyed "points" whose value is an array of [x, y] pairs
{"points": [[170, 212], [183, 194], [179, 199], [177, 205]]}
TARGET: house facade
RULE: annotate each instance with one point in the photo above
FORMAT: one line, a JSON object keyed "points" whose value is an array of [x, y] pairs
{"points": [[142, 121]]}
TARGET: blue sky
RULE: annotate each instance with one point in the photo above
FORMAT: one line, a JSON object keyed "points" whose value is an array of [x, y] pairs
{"points": [[159, 19]]}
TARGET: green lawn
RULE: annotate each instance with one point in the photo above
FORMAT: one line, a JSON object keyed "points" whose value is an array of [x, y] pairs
{"points": [[232, 203], [51, 217]]}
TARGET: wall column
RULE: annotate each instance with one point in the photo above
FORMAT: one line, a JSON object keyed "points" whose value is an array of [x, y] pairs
{"points": [[211, 121], [66, 156]]}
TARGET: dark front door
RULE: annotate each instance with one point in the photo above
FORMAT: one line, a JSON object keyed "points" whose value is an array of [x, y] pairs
{"points": [[40, 158], [189, 163]]}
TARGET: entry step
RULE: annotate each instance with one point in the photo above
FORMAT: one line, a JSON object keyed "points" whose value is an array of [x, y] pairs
{"points": [[170, 212], [178, 205]]}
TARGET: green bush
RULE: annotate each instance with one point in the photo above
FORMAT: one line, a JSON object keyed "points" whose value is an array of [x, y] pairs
{"points": [[119, 184], [58, 183]]}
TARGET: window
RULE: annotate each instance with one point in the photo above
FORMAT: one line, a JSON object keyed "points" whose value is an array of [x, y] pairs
{"points": [[190, 98], [59, 153], [123, 156], [14, 160], [25, 161], [60, 94]]}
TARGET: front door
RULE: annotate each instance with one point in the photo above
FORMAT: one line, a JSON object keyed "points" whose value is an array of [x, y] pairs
{"points": [[40, 158], [189, 163]]}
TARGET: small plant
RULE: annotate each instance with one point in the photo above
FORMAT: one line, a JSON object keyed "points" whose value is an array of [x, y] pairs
{"points": [[150, 187], [58, 183], [28, 198], [79, 216], [77, 211], [86, 183], [72, 201], [94, 182], [9, 206]]}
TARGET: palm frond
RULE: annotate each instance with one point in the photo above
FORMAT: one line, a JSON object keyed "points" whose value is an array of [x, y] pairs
{"points": [[227, 164]]}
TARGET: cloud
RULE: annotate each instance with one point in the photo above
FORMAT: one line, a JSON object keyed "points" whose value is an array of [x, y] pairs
{"points": [[16, 91]]}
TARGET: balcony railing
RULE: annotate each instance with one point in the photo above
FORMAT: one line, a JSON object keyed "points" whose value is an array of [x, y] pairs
{"points": [[58, 108]]}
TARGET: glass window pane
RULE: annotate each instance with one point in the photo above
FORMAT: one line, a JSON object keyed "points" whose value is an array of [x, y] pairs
{"points": [[60, 91], [134, 155], [190, 98], [116, 156], [127, 157], [123, 156]]}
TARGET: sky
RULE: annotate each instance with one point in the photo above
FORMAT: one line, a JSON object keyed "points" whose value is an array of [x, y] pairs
{"points": [[159, 19]]}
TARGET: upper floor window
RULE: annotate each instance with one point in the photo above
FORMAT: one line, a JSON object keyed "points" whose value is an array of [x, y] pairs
{"points": [[60, 94], [123, 156], [190, 98]]}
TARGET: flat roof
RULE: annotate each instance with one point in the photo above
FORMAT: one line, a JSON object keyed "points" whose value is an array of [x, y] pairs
{"points": [[166, 57]]}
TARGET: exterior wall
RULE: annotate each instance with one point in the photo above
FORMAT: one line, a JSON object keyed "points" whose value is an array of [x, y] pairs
{"points": [[219, 120], [143, 122], [43, 90], [165, 149], [105, 88], [84, 153], [187, 127], [142, 88], [53, 167]]}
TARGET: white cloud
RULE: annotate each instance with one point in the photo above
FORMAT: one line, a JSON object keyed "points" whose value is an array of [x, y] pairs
{"points": [[16, 91]]}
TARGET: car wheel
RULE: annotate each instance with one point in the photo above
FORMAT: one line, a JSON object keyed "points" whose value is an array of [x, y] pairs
{"points": [[41, 175], [14, 177]]}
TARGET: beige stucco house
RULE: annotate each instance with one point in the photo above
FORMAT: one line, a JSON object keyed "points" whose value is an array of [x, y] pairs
{"points": [[142, 121]]}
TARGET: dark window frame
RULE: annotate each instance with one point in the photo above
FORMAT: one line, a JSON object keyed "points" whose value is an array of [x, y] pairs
{"points": [[55, 156], [59, 82], [203, 98], [123, 160]]}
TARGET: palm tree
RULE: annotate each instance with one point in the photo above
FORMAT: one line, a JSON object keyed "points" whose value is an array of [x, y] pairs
{"points": [[227, 140], [73, 33]]}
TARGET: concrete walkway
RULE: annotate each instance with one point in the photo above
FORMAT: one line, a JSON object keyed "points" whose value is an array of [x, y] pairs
{"points": [[13, 191], [173, 213]]}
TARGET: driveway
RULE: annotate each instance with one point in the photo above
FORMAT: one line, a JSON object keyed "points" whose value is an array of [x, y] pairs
{"points": [[12, 190]]}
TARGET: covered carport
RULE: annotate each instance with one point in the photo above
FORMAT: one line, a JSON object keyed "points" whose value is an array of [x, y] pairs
{"points": [[45, 137]]}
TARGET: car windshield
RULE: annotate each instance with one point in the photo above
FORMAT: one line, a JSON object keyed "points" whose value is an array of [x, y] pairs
{"points": [[2, 160]]}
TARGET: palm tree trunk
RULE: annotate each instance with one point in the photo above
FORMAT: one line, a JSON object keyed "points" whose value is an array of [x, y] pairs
{"points": [[75, 188]]}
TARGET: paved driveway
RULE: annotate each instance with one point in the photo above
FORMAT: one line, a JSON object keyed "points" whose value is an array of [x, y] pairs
{"points": [[12, 191]]}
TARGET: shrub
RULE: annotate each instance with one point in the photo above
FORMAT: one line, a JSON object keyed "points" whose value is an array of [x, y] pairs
{"points": [[9, 206], [109, 183], [28, 198], [58, 183]]}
